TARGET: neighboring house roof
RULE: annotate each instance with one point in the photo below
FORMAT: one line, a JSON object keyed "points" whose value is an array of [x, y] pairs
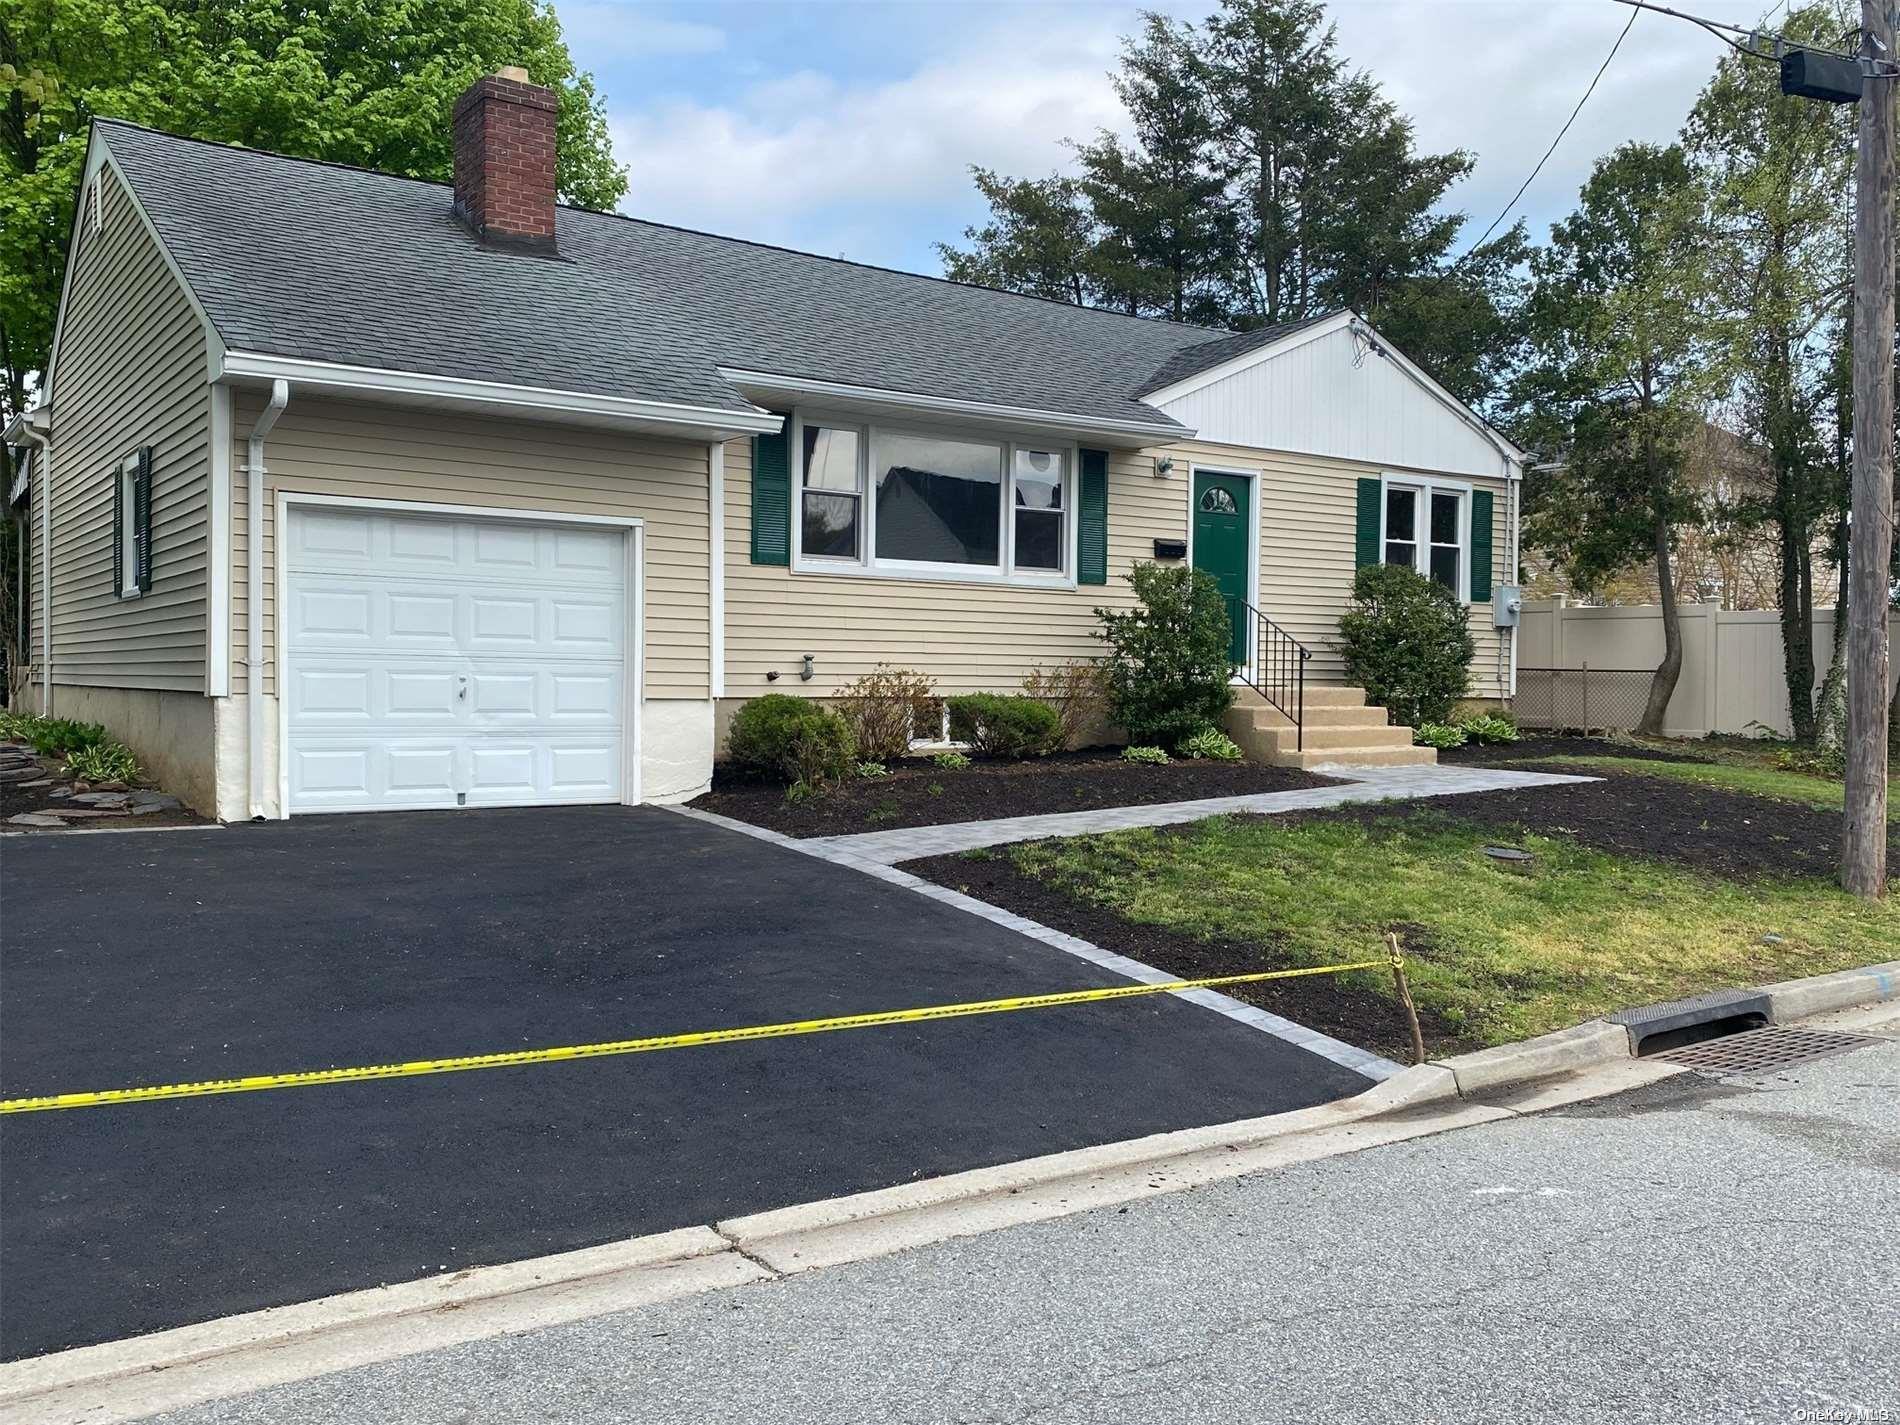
{"points": [[294, 258]]}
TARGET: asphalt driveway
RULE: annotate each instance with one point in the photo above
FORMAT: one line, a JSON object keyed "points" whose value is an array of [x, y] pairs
{"points": [[155, 958]]}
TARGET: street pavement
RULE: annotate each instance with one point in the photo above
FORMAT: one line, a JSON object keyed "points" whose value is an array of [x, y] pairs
{"points": [[1696, 1249]]}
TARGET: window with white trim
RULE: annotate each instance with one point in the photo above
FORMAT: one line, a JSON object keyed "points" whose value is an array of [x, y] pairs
{"points": [[1427, 527], [900, 500], [131, 537]]}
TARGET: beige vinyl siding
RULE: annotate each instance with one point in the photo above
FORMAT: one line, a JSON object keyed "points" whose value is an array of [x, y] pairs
{"points": [[373, 451], [975, 637], [970, 637], [130, 371], [1308, 523]]}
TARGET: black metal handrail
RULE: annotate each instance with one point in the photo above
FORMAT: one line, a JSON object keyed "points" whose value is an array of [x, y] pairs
{"points": [[1275, 667]]}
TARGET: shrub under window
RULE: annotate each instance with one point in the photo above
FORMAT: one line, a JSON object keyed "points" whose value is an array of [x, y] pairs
{"points": [[1168, 665], [1407, 641]]}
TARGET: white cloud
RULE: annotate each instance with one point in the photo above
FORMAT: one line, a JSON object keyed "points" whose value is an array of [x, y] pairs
{"points": [[800, 144], [601, 31], [879, 168]]}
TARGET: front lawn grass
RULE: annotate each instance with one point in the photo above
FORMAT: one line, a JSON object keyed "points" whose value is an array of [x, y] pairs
{"points": [[1736, 777], [1498, 954]]}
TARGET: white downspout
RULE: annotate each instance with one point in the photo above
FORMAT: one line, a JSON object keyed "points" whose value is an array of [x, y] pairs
{"points": [[254, 588], [43, 440], [1516, 479]]}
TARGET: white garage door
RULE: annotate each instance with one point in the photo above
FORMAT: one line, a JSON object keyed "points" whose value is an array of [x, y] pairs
{"points": [[441, 662]]}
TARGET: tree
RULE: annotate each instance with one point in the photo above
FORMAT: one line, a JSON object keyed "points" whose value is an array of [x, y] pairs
{"points": [[370, 82], [1158, 200], [1263, 181], [1618, 379], [1777, 172], [1039, 240]]}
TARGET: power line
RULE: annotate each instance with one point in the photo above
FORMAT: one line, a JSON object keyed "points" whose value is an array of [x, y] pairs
{"points": [[1525, 185]]}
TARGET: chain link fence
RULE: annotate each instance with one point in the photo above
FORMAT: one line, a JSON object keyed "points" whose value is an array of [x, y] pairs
{"points": [[1587, 699]]}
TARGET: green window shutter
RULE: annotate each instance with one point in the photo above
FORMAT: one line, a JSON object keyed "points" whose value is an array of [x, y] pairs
{"points": [[1480, 546], [118, 532], [1091, 514], [772, 498], [142, 520], [1366, 545]]}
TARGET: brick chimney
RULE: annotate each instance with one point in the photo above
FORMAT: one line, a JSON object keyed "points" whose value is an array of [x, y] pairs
{"points": [[504, 160]]}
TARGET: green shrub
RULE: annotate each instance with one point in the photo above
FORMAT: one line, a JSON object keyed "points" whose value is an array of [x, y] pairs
{"points": [[1407, 642], [61, 737], [1004, 724], [106, 761], [1167, 666], [1486, 727], [1153, 756], [782, 736], [1210, 743], [883, 708], [873, 769], [17, 726], [1438, 734], [949, 761]]}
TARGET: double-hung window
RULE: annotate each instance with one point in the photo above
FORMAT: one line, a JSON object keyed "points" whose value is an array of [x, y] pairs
{"points": [[1427, 527], [132, 525], [891, 500]]}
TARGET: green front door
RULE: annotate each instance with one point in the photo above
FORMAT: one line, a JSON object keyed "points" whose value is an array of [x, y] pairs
{"points": [[1220, 547]]}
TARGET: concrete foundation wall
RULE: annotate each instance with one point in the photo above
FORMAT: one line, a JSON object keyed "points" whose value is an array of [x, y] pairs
{"points": [[171, 733]]}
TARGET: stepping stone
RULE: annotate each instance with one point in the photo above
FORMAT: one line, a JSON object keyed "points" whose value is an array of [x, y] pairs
{"points": [[154, 801], [60, 793], [15, 774], [32, 786], [147, 810], [70, 813], [35, 818], [103, 799]]}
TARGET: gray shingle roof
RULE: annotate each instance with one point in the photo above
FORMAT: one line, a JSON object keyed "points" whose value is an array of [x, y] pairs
{"points": [[302, 259], [1191, 360]]}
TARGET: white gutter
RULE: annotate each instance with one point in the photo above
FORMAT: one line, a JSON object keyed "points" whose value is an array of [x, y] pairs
{"points": [[496, 397], [254, 589], [35, 427], [799, 388]]}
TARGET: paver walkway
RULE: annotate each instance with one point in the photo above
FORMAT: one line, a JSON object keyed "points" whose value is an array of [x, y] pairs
{"points": [[1361, 784]]}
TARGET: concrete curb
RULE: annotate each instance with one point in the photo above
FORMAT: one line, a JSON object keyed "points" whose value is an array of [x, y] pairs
{"points": [[125, 1380], [1844, 989], [1581, 1046]]}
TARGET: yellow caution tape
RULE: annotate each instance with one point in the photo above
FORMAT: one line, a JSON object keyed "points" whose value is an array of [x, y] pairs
{"points": [[309, 1078]]}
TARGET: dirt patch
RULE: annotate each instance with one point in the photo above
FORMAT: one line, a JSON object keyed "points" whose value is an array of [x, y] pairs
{"points": [[1729, 834], [919, 794], [1346, 1007], [20, 771]]}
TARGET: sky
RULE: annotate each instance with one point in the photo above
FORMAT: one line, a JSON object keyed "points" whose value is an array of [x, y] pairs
{"points": [[850, 129]]}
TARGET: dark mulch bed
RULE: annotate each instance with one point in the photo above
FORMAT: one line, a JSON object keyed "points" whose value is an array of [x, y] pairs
{"points": [[919, 794], [1535, 749], [1331, 1004], [1729, 834], [15, 800]]}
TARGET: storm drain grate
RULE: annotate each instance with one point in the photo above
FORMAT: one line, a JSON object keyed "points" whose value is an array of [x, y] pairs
{"points": [[1761, 1051]]}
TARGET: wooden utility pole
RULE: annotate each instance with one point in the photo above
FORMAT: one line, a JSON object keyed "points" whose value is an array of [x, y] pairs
{"points": [[1864, 840]]}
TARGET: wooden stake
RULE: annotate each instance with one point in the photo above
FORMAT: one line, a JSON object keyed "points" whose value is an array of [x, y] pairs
{"points": [[1864, 835], [1405, 997]]}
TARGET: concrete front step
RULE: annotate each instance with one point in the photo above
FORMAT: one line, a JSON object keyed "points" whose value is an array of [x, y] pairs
{"points": [[1359, 757], [1339, 728], [1318, 695], [1261, 715], [1288, 739]]}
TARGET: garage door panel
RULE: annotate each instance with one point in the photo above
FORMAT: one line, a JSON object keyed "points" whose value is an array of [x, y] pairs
{"points": [[442, 662]]}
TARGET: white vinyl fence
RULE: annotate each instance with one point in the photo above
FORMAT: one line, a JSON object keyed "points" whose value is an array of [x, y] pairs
{"points": [[1731, 667]]}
